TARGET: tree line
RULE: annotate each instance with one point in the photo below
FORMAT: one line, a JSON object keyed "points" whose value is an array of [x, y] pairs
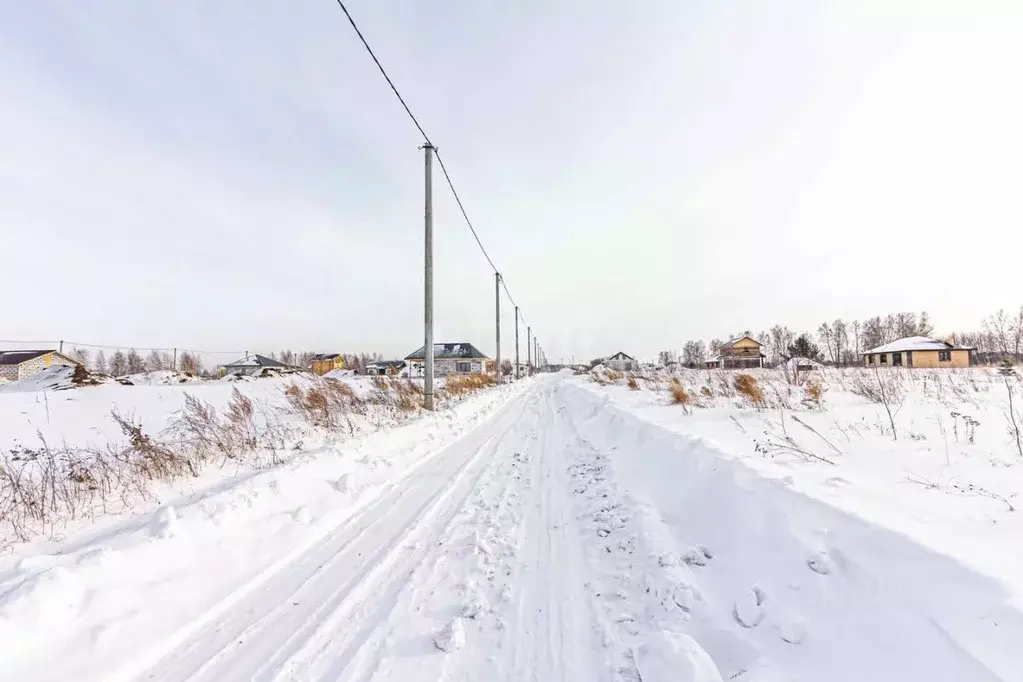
{"points": [[121, 363], [840, 342]]}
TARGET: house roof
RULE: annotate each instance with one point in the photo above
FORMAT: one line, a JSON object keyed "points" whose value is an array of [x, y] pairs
{"points": [[325, 356], [620, 356], [914, 343], [387, 363], [448, 350], [732, 342], [16, 357], [256, 361]]}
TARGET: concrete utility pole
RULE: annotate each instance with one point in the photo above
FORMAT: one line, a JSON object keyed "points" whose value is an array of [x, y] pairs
{"points": [[174, 362], [497, 308], [428, 283], [529, 351], [517, 376]]}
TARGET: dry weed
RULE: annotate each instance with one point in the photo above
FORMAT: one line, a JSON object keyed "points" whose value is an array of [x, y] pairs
{"points": [[746, 385]]}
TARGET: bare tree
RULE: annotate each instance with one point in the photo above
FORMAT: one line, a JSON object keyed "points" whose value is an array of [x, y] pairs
{"points": [[924, 326], [100, 364], [665, 358], [827, 339], [155, 362], [1017, 333], [856, 330], [999, 327], [118, 364], [693, 353], [134, 363], [81, 355], [190, 363], [781, 338], [840, 332]]}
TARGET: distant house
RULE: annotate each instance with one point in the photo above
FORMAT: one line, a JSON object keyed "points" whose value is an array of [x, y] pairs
{"points": [[18, 364], [744, 352], [253, 364], [621, 362], [385, 368], [448, 358], [918, 351], [327, 362]]}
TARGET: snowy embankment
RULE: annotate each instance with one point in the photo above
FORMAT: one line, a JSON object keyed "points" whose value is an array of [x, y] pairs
{"points": [[893, 559]]}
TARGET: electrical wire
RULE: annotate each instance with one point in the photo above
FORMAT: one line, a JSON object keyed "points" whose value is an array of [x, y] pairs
{"points": [[440, 160]]}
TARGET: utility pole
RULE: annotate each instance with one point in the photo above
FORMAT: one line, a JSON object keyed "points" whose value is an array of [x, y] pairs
{"points": [[174, 362], [61, 350], [529, 351], [497, 308], [517, 377], [428, 283]]}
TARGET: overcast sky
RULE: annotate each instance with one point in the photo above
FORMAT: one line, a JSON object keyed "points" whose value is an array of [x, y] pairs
{"points": [[237, 175]]}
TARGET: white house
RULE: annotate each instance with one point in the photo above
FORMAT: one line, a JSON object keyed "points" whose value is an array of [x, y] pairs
{"points": [[18, 364], [621, 362], [448, 358]]}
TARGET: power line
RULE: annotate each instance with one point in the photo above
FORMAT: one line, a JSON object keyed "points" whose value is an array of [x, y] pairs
{"points": [[75, 344], [426, 138], [384, 73]]}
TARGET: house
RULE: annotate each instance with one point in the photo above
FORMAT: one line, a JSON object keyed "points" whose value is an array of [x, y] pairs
{"points": [[744, 352], [252, 365], [388, 368], [620, 362], [326, 362], [18, 364], [448, 358], [918, 351]]}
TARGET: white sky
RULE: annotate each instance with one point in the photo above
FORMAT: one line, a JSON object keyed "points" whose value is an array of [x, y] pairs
{"points": [[236, 175]]}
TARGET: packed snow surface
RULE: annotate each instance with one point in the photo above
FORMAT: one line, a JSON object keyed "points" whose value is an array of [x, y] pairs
{"points": [[550, 531]]}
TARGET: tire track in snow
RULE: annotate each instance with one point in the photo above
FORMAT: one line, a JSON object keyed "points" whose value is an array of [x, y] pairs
{"points": [[255, 638]]}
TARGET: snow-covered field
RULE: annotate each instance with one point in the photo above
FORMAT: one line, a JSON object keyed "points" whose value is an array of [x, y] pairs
{"points": [[559, 529]]}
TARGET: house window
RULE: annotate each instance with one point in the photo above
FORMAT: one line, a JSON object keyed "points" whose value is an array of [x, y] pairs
{"points": [[896, 359], [884, 359], [463, 367], [945, 356], [870, 359]]}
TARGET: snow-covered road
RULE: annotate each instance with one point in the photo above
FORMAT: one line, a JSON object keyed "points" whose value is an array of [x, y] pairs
{"points": [[564, 539]]}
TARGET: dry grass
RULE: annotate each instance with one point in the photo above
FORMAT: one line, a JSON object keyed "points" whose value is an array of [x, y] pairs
{"points": [[814, 393], [329, 405], [679, 395], [747, 386], [466, 384], [381, 384], [633, 384]]}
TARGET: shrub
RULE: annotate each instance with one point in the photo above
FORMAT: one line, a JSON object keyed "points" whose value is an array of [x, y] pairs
{"points": [[707, 392], [679, 395], [814, 393], [381, 383], [746, 385], [633, 385]]}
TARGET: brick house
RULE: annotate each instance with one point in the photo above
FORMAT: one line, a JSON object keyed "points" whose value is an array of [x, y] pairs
{"points": [[18, 364], [918, 351], [448, 358], [327, 362]]}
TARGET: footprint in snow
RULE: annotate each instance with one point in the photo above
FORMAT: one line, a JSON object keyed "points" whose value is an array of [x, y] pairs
{"points": [[302, 515], [451, 637], [820, 563], [698, 555], [749, 607]]}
